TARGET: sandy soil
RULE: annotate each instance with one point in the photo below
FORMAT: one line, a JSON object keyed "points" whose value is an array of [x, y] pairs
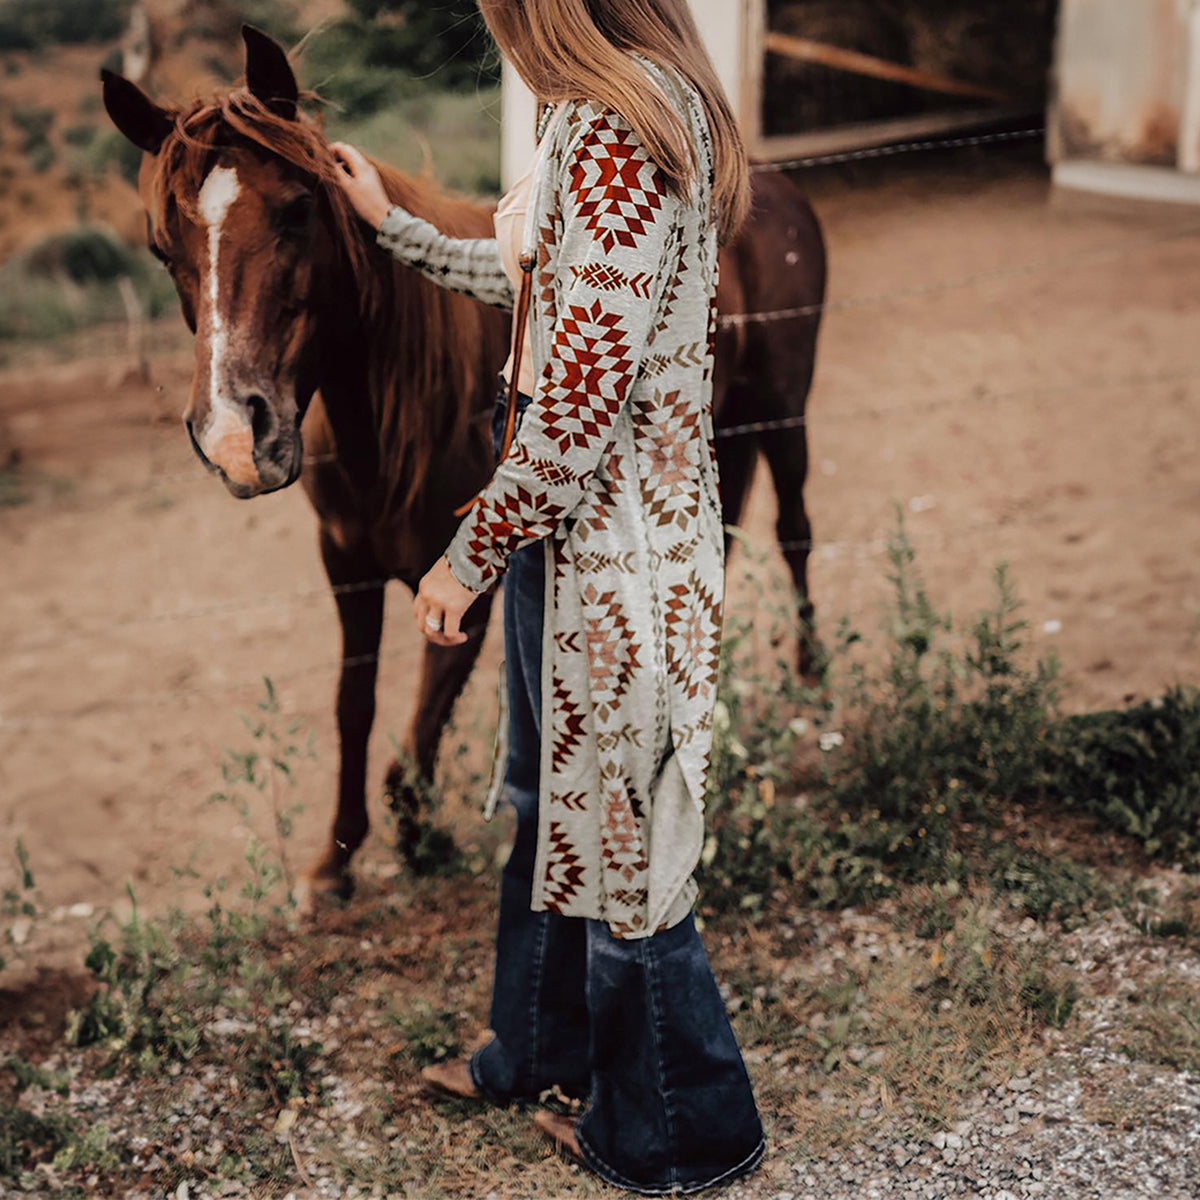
{"points": [[1017, 373]]}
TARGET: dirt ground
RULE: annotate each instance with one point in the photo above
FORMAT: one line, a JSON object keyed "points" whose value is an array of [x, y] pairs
{"points": [[1017, 372]]}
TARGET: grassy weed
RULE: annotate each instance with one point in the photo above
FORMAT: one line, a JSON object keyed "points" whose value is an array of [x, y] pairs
{"points": [[158, 979], [908, 764], [1138, 770], [72, 280], [20, 906], [1164, 1026]]}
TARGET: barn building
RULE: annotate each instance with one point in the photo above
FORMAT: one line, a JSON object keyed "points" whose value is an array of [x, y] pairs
{"points": [[1116, 82]]}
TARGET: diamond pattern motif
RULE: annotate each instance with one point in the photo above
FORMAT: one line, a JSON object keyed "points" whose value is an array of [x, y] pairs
{"points": [[612, 650], [617, 188], [667, 436], [591, 368], [610, 464], [693, 616]]}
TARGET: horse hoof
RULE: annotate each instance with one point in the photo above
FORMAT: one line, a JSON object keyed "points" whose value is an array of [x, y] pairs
{"points": [[320, 885]]}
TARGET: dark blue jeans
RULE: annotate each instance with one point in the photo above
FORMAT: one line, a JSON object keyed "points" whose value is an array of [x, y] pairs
{"points": [[637, 1026]]}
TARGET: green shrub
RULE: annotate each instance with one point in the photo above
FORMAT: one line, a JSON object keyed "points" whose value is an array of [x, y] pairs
{"points": [[889, 761], [943, 731], [1138, 769], [447, 42], [31, 24], [80, 135], [366, 66], [86, 254], [1043, 888], [430, 1035], [114, 149], [70, 281]]}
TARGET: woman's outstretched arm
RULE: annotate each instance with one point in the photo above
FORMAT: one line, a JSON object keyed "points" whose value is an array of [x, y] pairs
{"points": [[471, 266]]}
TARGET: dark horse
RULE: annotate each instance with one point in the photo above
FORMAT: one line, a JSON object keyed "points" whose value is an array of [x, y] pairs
{"points": [[300, 318]]}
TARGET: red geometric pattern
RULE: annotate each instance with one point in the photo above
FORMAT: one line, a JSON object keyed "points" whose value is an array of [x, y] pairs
{"points": [[693, 617], [607, 278], [608, 740], [590, 562], [612, 650], [508, 519], [604, 495], [667, 435], [571, 800], [682, 552], [617, 188], [589, 373], [568, 725], [564, 870], [621, 849]]}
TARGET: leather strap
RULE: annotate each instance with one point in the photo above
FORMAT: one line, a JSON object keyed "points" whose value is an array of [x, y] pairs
{"points": [[520, 320]]}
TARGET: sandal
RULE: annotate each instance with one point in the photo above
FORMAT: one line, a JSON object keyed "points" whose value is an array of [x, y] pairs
{"points": [[560, 1130], [452, 1078]]}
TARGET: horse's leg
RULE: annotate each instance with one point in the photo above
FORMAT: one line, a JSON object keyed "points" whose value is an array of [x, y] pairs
{"points": [[444, 672], [735, 460], [360, 611], [786, 452]]}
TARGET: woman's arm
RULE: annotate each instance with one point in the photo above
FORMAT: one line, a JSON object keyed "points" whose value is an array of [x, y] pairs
{"points": [[468, 265], [471, 266], [618, 219]]}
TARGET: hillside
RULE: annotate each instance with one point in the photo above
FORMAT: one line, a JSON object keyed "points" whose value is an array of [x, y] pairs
{"points": [[62, 163]]}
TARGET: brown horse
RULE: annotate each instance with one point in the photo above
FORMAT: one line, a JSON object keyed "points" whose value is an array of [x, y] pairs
{"points": [[319, 357]]}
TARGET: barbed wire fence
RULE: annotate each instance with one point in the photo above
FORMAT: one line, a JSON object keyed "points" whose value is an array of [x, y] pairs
{"points": [[866, 550]]}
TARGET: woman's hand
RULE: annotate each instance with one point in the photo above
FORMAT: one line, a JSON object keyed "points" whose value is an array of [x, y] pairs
{"points": [[360, 181], [439, 606]]}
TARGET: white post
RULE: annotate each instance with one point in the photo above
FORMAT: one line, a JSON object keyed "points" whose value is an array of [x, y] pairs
{"points": [[517, 117], [724, 25], [1189, 115]]}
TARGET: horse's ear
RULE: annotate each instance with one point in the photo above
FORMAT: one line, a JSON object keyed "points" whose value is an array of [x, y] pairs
{"points": [[269, 75], [134, 113]]}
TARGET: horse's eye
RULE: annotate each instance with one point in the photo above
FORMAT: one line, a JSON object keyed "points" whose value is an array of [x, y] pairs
{"points": [[295, 214]]}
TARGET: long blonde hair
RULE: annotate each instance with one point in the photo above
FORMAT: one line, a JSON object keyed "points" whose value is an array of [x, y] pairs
{"points": [[579, 50]]}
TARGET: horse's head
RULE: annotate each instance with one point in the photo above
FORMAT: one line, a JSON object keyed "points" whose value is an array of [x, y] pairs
{"points": [[241, 209]]}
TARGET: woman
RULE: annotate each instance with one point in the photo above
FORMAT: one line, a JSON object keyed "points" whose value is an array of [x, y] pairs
{"points": [[604, 520]]}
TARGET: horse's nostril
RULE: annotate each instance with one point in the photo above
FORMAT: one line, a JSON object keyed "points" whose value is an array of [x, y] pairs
{"points": [[260, 417]]}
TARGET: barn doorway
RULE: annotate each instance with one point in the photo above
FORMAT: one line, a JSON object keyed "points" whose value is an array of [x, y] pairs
{"points": [[851, 72]]}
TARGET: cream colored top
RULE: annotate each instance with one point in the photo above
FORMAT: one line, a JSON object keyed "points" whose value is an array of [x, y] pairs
{"points": [[509, 220]]}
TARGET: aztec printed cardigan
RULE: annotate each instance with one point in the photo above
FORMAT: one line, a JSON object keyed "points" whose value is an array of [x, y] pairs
{"points": [[613, 469]]}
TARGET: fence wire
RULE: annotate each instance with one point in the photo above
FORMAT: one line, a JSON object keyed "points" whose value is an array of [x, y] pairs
{"points": [[831, 549], [896, 149]]}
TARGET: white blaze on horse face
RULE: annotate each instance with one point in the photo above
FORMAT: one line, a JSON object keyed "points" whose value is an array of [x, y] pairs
{"points": [[228, 440]]}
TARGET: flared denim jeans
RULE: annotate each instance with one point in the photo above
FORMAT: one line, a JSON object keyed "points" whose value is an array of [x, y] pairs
{"points": [[636, 1027]]}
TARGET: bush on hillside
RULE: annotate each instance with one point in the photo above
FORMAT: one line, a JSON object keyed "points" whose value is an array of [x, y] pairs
{"points": [[390, 50], [84, 255], [31, 24]]}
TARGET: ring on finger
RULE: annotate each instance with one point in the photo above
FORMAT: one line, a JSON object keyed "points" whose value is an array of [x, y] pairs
{"points": [[433, 622]]}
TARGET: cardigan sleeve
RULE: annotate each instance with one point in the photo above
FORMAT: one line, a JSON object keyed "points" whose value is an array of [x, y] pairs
{"points": [[471, 266], [618, 220]]}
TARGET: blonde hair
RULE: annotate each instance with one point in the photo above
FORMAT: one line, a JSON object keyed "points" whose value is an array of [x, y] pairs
{"points": [[580, 50]]}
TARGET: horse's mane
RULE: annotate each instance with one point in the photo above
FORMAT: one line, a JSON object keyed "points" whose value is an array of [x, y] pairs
{"points": [[423, 387]]}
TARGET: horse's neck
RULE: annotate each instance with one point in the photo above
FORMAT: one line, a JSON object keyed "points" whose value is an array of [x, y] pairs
{"points": [[451, 214], [346, 398], [403, 340]]}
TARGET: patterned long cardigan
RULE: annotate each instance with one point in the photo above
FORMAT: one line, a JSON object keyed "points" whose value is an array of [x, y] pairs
{"points": [[613, 469]]}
